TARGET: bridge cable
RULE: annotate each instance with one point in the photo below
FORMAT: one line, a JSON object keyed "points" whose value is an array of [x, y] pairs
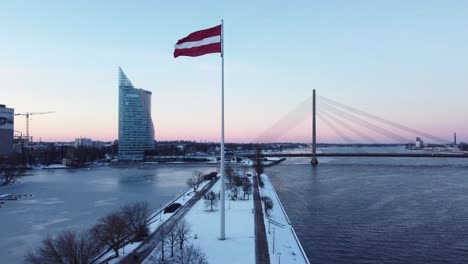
{"points": [[350, 128], [289, 121], [364, 123], [382, 120], [338, 131]]}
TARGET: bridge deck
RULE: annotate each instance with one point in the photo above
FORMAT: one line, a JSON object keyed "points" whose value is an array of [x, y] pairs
{"points": [[383, 155]]}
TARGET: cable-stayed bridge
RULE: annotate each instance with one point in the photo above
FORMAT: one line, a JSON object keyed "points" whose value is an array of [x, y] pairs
{"points": [[353, 125]]}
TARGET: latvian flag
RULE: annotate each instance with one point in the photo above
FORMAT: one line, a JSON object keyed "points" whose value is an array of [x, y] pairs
{"points": [[199, 43]]}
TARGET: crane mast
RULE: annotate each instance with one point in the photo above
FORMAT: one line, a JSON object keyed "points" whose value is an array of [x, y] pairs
{"points": [[27, 114]]}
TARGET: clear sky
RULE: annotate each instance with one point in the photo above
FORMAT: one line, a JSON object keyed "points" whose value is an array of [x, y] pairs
{"points": [[406, 61]]}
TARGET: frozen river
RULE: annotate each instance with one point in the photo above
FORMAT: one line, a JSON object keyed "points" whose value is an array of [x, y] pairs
{"points": [[77, 198]]}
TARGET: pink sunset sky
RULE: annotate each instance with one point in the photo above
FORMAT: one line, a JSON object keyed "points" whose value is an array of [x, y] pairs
{"points": [[406, 62]]}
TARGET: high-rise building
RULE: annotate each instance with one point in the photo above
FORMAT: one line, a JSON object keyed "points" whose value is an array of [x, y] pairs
{"points": [[6, 130], [136, 130]]}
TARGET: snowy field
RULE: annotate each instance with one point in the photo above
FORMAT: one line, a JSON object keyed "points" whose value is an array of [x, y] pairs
{"points": [[239, 246], [284, 246]]}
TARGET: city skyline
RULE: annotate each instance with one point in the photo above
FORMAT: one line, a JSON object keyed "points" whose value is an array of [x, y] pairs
{"points": [[406, 62]]}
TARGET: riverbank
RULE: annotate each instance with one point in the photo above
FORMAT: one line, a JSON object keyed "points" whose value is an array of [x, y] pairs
{"points": [[162, 222], [284, 245], [154, 221], [239, 246], [244, 242]]}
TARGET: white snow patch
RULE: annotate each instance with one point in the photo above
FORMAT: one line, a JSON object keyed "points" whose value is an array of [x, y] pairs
{"points": [[123, 252], [287, 248], [105, 202], [51, 166], [239, 246], [50, 222]]}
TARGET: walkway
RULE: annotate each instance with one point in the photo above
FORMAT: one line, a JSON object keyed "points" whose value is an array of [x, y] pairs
{"points": [[262, 255]]}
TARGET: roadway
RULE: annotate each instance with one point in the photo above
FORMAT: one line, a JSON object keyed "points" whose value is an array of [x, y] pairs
{"points": [[367, 155], [151, 242]]}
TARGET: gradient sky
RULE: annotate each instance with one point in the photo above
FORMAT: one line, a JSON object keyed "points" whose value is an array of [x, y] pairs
{"points": [[406, 61]]}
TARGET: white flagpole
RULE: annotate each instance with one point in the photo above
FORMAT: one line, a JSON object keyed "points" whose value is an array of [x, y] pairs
{"points": [[223, 234]]}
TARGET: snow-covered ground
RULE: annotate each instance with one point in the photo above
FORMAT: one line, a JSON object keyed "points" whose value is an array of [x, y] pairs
{"points": [[284, 246], [51, 166], [244, 161], [239, 246], [156, 219]]}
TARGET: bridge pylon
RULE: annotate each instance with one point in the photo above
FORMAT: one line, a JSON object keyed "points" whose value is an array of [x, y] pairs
{"points": [[314, 160]]}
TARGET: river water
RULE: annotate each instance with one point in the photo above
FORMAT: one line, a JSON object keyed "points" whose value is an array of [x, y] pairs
{"points": [[377, 210], [77, 198], [346, 210]]}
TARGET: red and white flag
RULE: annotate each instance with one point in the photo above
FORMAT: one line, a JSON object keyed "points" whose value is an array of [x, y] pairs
{"points": [[199, 43]]}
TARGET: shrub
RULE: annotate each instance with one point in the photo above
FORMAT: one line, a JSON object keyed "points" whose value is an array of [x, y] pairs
{"points": [[267, 204], [67, 247]]}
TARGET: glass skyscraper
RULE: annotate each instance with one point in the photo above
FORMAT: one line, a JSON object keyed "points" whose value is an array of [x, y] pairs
{"points": [[136, 130]]}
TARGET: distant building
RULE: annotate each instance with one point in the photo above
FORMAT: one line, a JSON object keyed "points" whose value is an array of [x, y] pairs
{"points": [[136, 130], [6, 130], [83, 142], [88, 143], [419, 143]]}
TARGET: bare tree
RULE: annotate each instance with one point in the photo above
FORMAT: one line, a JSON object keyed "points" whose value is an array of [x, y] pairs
{"points": [[267, 204], [229, 172], [211, 200], [112, 230], [247, 187], [172, 239], [258, 164], [192, 184], [198, 176], [47, 253], [258, 161], [162, 239], [136, 215], [245, 169], [69, 247], [11, 168], [190, 255], [234, 192], [195, 180], [183, 231]]}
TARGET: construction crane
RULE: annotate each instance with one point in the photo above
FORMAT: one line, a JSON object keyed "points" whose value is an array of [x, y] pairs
{"points": [[27, 114]]}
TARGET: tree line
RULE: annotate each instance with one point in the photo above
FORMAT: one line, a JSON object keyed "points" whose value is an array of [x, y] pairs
{"points": [[174, 247], [115, 230], [11, 168]]}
